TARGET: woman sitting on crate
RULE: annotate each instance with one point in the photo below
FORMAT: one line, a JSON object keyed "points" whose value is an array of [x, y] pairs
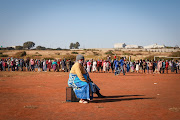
{"points": [[80, 82]]}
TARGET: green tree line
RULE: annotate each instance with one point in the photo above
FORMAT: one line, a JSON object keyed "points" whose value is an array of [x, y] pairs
{"points": [[29, 45]]}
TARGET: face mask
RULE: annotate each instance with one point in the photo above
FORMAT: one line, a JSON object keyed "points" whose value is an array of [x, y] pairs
{"points": [[81, 62]]}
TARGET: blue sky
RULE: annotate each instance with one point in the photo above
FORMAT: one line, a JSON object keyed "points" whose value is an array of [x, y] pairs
{"points": [[93, 23]]}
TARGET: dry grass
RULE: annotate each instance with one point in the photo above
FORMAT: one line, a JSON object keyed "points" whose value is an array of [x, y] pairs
{"points": [[88, 53]]}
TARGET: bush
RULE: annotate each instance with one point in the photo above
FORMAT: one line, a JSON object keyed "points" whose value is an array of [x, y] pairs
{"points": [[58, 48], [10, 48], [71, 57], [57, 53], [1, 55], [137, 54], [90, 49], [109, 52], [37, 55], [95, 53], [49, 48], [74, 52], [19, 47], [124, 53], [23, 53], [20, 54], [175, 54], [83, 53], [40, 48]]}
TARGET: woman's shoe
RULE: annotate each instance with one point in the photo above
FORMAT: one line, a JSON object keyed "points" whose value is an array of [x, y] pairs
{"points": [[83, 101]]}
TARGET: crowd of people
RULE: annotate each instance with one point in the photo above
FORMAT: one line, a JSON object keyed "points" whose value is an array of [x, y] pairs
{"points": [[101, 66], [15, 64], [84, 88], [146, 66], [140, 66]]}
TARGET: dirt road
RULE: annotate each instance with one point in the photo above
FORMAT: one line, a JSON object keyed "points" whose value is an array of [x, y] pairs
{"points": [[41, 96]]}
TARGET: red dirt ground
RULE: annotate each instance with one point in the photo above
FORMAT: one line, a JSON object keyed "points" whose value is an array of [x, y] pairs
{"points": [[41, 96]]}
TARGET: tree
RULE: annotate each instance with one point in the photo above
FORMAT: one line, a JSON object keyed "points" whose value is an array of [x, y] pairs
{"points": [[19, 47], [28, 44], [176, 46], [76, 46], [58, 48], [10, 48], [40, 48], [71, 46]]}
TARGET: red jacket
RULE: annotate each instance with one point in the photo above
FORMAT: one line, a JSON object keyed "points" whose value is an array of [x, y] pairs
{"points": [[167, 64], [98, 64]]}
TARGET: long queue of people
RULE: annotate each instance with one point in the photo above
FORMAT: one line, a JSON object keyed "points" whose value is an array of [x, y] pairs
{"points": [[140, 66], [15, 64], [146, 66], [104, 66]]}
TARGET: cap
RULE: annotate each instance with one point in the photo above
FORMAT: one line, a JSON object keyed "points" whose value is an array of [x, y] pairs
{"points": [[79, 57]]}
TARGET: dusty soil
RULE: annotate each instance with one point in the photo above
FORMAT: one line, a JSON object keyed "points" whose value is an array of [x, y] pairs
{"points": [[41, 96]]}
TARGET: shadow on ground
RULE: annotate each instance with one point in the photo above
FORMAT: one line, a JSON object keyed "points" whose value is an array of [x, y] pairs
{"points": [[110, 98]]}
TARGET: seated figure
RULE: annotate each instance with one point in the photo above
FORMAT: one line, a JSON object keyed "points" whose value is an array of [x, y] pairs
{"points": [[80, 82]]}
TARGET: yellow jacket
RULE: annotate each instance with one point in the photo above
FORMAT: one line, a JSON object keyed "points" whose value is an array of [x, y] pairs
{"points": [[79, 70]]}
